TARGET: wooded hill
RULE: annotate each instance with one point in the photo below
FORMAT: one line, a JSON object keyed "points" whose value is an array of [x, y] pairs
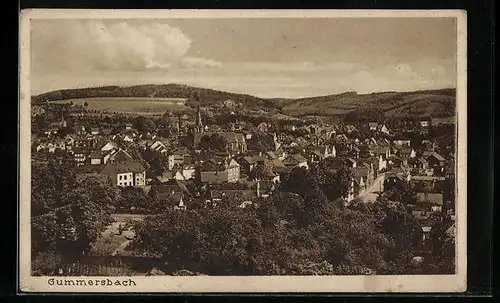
{"points": [[435, 103]]}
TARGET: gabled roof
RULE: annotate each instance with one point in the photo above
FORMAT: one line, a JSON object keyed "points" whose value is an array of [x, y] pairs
{"points": [[438, 156], [124, 167], [96, 154], [433, 198], [299, 158], [405, 150], [271, 155]]}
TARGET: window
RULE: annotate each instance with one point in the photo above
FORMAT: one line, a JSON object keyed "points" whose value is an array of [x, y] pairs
{"points": [[125, 177], [120, 177]]}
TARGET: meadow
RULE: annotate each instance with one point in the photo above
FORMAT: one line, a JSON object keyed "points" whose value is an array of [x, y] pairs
{"points": [[129, 105]]}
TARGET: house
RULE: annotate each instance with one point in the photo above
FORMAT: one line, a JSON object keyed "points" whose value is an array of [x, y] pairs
{"points": [[232, 198], [355, 152], [350, 162], [94, 131], [119, 156], [106, 131], [431, 182], [80, 156], [97, 157], [365, 151], [219, 171], [396, 177], [175, 191], [429, 146], [418, 163], [363, 177], [79, 129], [109, 145], [184, 172], [281, 153], [373, 126], [53, 129], [127, 138], [50, 147], [383, 129], [381, 162], [351, 192], [296, 160], [157, 146], [178, 157], [69, 140], [247, 163], [40, 147], [436, 161], [128, 126], [405, 152], [424, 123], [315, 156], [378, 150], [126, 173], [433, 201], [401, 142], [59, 144], [394, 160], [326, 151], [163, 178]]}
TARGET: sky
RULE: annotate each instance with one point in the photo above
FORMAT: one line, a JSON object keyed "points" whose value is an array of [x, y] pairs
{"points": [[274, 57]]}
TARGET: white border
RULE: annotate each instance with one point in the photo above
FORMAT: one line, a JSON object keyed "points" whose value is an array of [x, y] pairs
{"points": [[254, 284]]}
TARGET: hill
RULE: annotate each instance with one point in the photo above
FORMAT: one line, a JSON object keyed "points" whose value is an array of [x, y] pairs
{"points": [[436, 103], [439, 103], [206, 97]]}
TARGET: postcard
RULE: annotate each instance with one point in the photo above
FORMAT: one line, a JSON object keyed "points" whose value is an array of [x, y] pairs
{"points": [[242, 151]]}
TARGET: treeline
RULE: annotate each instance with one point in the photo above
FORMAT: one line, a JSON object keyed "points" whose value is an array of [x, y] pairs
{"points": [[206, 97], [287, 234]]}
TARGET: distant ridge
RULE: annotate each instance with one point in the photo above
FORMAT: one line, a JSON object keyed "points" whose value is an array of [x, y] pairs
{"points": [[438, 103]]}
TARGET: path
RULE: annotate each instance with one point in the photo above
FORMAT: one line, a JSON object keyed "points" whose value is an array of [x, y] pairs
{"points": [[370, 195]]}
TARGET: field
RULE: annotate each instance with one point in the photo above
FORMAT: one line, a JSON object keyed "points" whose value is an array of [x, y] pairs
{"points": [[129, 105]]}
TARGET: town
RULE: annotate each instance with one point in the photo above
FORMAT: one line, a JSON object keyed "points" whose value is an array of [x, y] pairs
{"points": [[218, 158]]}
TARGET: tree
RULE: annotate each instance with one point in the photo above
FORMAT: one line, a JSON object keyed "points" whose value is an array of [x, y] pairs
{"points": [[133, 199], [144, 124], [213, 142], [40, 122], [342, 182], [68, 213]]}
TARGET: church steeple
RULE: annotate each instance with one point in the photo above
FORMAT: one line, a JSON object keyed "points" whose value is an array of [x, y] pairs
{"points": [[199, 123]]}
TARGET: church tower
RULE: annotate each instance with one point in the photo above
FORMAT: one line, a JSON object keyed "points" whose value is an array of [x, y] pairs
{"points": [[62, 123], [199, 123]]}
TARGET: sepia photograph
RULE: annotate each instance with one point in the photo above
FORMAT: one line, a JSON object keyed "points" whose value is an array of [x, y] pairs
{"points": [[242, 151]]}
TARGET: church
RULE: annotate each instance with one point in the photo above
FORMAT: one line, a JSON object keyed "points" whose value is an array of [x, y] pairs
{"points": [[236, 142]]}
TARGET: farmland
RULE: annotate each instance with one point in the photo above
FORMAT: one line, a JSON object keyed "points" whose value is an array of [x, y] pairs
{"points": [[143, 106]]}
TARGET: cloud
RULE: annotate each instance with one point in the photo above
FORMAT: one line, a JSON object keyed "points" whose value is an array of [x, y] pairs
{"points": [[107, 45]]}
